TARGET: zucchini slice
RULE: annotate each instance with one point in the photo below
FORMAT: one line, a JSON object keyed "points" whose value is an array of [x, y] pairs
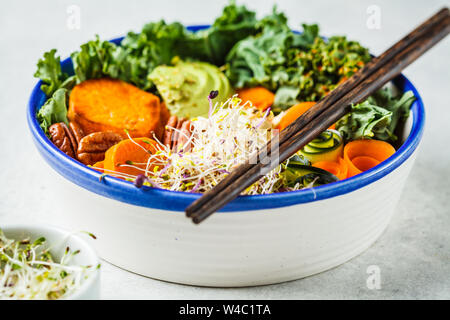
{"points": [[328, 146], [307, 176]]}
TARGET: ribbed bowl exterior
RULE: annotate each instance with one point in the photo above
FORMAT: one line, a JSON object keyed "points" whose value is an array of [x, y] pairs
{"points": [[233, 249]]}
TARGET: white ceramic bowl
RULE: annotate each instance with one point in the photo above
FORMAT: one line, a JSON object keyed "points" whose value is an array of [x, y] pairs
{"points": [[58, 240], [255, 240]]}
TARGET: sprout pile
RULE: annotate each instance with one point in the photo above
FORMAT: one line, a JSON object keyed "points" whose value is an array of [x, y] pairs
{"points": [[29, 271], [230, 135]]}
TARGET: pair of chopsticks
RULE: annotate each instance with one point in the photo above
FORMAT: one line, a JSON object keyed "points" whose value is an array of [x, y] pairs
{"points": [[323, 114]]}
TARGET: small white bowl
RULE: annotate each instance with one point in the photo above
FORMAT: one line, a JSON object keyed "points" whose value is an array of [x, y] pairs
{"points": [[58, 239]]}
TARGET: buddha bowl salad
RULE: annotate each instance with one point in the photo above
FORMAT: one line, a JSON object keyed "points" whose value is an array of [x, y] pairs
{"points": [[179, 110]]}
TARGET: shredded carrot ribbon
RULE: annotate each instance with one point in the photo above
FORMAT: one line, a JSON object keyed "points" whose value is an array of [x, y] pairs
{"points": [[362, 155], [338, 168]]}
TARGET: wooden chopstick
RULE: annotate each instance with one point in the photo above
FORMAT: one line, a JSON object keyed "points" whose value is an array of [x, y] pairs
{"points": [[327, 111], [325, 102]]}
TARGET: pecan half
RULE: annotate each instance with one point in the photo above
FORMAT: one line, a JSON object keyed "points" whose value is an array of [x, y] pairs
{"points": [[63, 138], [92, 147], [168, 132], [177, 133], [184, 136], [76, 131]]}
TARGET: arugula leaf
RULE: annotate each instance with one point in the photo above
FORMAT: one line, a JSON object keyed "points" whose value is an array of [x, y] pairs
{"points": [[377, 117], [54, 110], [365, 121], [49, 71]]}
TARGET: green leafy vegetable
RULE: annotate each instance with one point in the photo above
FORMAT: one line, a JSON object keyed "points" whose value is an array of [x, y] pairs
{"points": [[54, 110], [321, 68], [377, 117], [49, 71], [298, 67], [213, 44], [94, 60], [262, 59], [140, 53], [158, 43]]}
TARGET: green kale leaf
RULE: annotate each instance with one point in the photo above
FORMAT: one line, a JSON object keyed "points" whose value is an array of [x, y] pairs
{"points": [[213, 44], [377, 117], [140, 53], [253, 60], [297, 67]]}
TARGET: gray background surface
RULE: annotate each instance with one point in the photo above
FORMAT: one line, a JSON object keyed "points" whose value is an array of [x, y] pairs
{"points": [[413, 255]]}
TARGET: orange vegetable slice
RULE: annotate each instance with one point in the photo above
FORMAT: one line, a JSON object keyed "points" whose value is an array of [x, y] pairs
{"points": [[296, 111], [343, 79], [130, 156], [260, 97], [114, 105], [98, 166], [339, 168], [361, 155], [365, 163], [293, 113]]}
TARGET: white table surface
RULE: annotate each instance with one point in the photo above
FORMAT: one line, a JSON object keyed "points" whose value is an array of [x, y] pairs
{"points": [[413, 255]]}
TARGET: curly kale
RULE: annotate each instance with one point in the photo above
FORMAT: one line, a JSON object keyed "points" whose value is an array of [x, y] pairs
{"points": [[297, 67]]}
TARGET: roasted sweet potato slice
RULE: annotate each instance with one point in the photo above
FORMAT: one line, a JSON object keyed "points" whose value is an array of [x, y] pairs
{"points": [[113, 105], [164, 118]]}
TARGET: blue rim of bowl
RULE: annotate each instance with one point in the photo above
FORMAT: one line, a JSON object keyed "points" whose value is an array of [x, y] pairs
{"points": [[125, 191]]}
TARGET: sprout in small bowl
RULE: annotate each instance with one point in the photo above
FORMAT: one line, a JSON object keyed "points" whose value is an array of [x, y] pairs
{"points": [[47, 264]]}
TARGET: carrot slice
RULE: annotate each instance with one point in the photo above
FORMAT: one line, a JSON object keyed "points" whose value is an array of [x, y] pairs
{"points": [[364, 163], [296, 111], [344, 168], [130, 156], [293, 113], [98, 166], [260, 97], [343, 79], [361, 155], [339, 168]]}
